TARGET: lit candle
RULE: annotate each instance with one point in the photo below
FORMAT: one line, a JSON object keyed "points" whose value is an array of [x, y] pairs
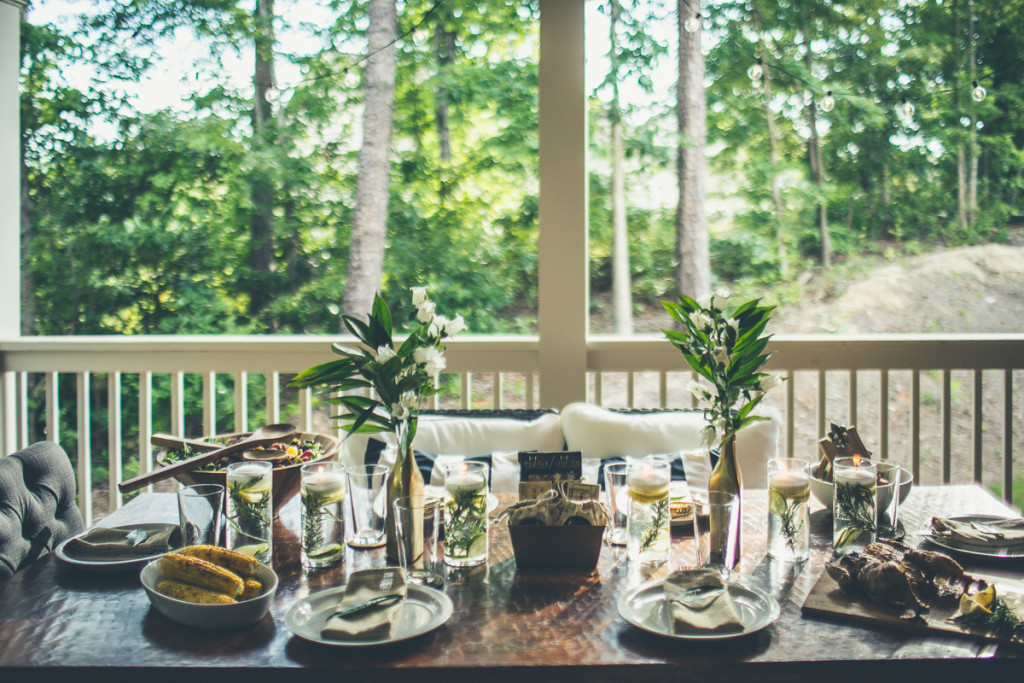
{"points": [[326, 483], [648, 485], [790, 484]]}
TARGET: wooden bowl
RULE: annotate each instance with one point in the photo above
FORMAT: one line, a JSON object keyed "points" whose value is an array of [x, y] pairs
{"points": [[286, 479]]}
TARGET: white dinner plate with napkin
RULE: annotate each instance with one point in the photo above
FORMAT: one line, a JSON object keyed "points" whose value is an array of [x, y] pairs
{"points": [[423, 610], [652, 608], [981, 535], [119, 548]]}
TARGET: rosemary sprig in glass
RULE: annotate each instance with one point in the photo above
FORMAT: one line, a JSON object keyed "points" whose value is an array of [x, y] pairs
{"points": [[466, 519], [786, 510], [250, 514], [856, 504], [316, 506], [659, 520]]}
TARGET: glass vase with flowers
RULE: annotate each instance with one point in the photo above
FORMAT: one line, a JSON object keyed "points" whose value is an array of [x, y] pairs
{"points": [[397, 375], [727, 352]]}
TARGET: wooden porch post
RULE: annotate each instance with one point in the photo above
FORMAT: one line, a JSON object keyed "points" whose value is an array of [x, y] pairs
{"points": [[563, 299], [10, 210]]}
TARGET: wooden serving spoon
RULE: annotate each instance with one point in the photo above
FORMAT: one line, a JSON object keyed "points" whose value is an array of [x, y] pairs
{"points": [[261, 437], [175, 443], [265, 456]]}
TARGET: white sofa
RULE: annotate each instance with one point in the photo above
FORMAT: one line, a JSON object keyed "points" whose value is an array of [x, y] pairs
{"points": [[598, 433]]}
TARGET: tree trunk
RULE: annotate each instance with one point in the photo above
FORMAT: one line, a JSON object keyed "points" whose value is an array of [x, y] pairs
{"points": [[693, 261], [28, 317], [972, 136], [445, 54], [780, 240], [622, 283], [261, 222], [816, 159], [369, 224]]}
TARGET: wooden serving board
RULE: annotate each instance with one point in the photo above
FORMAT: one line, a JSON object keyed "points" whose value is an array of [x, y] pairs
{"points": [[827, 600]]}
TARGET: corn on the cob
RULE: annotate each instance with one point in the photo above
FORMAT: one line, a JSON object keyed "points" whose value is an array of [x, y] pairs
{"points": [[251, 590], [239, 563], [201, 573], [190, 593]]}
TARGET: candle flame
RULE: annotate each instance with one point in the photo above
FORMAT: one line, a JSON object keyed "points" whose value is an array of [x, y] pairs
{"points": [[856, 459]]}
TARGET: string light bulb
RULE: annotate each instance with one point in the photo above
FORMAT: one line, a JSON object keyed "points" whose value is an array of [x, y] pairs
{"points": [[692, 24], [907, 107], [756, 71], [978, 93], [828, 103]]}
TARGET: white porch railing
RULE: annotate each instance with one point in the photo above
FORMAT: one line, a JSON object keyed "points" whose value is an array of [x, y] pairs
{"points": [[941, 404]]}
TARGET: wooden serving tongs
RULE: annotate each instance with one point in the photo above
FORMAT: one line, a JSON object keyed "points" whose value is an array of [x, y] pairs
{"points": [[263, 436]]}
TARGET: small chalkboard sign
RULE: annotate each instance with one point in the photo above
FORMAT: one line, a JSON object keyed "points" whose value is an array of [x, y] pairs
{"points": [[559, 465]]}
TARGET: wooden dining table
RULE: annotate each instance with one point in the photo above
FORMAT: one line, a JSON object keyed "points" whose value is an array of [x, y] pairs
{"points": [[62, 623]]}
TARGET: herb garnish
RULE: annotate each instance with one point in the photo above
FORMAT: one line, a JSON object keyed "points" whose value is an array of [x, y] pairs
{"points": [[466, 520], [652, 532], [855, 503]]}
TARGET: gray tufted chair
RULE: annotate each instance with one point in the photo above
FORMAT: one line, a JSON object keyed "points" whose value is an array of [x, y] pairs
{"points": [[37, 504]]}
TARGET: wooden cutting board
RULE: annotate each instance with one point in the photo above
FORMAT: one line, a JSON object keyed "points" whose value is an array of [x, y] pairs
{"points": [[827, 600]]}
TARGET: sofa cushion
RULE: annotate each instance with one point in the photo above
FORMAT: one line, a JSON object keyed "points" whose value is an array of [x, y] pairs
{"points": [[601, 433], [37, 504]]}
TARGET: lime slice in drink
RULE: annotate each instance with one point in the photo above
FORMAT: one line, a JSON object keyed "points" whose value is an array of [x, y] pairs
{"points": [[776, 503], [326, 552], [256, 493], [253, 549], [478, 546]]}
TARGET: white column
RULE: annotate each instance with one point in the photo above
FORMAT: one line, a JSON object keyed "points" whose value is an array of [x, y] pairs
{"points": [[563, 297], [10, 171], [10, 212]]}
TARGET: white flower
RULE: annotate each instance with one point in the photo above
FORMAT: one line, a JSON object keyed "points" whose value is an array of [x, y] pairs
{"points": [[431, 359], [384, 354], [721, 355], [702, 321], [704, 302], [768, 382], [425, 311], [419, 295], [708, 436], [399, 411], [720, 299], [699, 391], [409, 400], [734, 324], [436, 326], [453, 327]]}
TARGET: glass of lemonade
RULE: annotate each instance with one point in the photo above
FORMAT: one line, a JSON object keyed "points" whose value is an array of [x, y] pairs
{"points": [[323, 519], [789, 490], [853, 508], [465, 514], [250, 508], [647, 524]]}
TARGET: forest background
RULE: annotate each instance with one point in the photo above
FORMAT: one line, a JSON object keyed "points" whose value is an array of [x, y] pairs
{"points": [[834, 130]]}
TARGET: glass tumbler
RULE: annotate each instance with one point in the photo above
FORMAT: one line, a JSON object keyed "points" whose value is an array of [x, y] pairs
{"points": [[322, 490], [648, 522], [250, 509], [465, 514], [789, 519], [853, 504]]}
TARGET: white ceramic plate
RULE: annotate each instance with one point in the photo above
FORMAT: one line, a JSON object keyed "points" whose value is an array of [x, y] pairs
{"points": [[112, 565], [646, 607], [979, 551], [425, 609], [234, 615]]}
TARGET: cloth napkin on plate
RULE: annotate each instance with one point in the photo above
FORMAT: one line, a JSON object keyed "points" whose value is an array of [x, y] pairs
{"points": [[115, 545], [999, 533], [372, 623], [699, 601]]}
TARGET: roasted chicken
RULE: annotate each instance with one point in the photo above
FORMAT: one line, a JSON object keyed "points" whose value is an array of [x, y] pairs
{"points": [[894, 574]]}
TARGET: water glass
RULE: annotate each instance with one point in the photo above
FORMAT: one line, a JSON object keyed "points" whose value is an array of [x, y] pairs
{"points": [[617, 498], [697, 466], [853, 504], [465, 514], [199, 509], [366, 495], [322, 491], [417, 523], [647, 524], [887, 501], [716, 531], [250, 509], [789, 519]]}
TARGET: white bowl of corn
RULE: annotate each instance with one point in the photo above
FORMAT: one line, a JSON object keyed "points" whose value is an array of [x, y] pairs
{"points": [[208, 587]]}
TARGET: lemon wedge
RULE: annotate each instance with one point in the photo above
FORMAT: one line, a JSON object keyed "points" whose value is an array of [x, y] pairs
{"points": [[979, 603]]}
